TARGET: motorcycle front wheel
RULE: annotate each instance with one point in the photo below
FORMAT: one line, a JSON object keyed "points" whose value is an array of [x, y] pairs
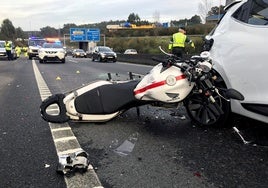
{"points": [[204, 113]]}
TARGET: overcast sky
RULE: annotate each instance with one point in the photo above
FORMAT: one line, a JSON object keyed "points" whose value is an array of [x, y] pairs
{"points": [[35, 14]]}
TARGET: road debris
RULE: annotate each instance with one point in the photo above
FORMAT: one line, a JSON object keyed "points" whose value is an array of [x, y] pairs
{"points": [[240, 135], [75, 162]]}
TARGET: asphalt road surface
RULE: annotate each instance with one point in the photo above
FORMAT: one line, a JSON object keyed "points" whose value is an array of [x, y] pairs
{"points": [[155, 149]]}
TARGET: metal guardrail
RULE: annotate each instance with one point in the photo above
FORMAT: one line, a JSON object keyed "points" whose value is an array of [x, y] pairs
{"points": [[145, 59]]}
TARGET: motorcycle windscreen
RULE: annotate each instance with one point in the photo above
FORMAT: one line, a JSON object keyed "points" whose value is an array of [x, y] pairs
{"points": [[106, 99]]}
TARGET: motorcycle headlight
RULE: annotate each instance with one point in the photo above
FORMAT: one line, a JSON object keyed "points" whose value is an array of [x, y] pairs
{"points": [[205, 66]]}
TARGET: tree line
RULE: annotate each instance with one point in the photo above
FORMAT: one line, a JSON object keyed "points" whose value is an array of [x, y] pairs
{"points": [[194, 27]]}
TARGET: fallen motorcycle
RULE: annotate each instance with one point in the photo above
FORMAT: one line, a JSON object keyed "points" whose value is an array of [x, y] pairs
{"points": [[172, 82]]}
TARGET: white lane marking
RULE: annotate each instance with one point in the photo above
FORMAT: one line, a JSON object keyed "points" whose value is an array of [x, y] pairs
{"points": [[69, 151], [63, 139], [61, 129], [73, 61], [88, 179]]}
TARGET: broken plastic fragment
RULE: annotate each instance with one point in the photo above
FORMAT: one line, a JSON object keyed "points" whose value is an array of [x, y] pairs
{"points": [[75, 162], [128, 145]]}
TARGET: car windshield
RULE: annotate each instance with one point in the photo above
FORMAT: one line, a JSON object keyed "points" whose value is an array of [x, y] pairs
{"points": [[36, 42], [131, 50], [79, 50], [52, 45], [105, 49]]}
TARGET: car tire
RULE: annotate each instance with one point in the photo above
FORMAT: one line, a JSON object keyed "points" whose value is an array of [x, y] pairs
{"points": [[199, 109], [63, 61]]}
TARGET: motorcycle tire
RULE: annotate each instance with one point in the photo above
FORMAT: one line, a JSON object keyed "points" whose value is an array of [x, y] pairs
{"points": [[204, 113]]}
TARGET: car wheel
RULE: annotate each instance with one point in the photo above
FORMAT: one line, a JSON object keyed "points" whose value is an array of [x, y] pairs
{"points": [[41, 61], [63, 61], [200, 110]]}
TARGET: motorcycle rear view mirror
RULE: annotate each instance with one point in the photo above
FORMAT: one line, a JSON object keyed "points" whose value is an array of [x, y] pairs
{"points": [[234, 94]]}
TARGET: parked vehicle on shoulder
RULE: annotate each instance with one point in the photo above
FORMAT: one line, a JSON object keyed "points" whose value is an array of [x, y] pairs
{"points": [[103, 53], [131, 51], [238, 47], [53, 52], [79, 53], [3, 50]]}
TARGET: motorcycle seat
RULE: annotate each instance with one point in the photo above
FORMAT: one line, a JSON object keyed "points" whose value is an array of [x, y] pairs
{"points": [[107, 99]]}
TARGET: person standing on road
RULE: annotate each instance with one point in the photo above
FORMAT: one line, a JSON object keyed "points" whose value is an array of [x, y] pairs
{"points": [[18, 51], [179, 40], [8, 47]]}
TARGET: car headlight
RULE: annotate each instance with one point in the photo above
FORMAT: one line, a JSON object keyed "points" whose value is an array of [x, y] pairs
{"points": [[102, 55], [41, 51], [115, 55], [62, 51]]}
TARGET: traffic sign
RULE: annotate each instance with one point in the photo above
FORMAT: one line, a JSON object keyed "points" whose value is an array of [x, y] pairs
{"points": [[84, 34], [93, 35], [78, 34]]}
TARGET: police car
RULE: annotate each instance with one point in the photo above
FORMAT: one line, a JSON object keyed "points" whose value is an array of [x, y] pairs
{"points": [[238, 47], [51, 51]]}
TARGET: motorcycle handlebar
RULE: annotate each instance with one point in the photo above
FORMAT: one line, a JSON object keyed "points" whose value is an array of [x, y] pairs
{"points": [[190, 67]]}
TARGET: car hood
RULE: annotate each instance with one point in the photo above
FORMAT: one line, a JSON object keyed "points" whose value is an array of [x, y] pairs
{"points": [[52, 49], [2, 50], [112, 53]]}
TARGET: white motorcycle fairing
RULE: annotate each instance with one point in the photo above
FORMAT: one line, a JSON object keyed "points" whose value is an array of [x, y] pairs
{"points": [[166, 84]]}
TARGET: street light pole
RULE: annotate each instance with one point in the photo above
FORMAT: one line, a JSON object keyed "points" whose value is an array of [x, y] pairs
{"points": [[64, 38], [104, 39]]}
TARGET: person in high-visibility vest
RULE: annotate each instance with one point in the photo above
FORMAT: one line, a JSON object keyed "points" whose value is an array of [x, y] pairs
{"points": [[170, 44], [8, 48], [18, 51], [179, 40], [25, 51]]}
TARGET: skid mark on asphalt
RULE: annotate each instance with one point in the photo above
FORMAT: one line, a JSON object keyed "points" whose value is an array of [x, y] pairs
{"points": [[64, 139]]}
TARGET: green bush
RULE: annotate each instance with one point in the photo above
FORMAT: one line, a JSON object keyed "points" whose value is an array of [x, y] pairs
{"points": [[149, 45]]}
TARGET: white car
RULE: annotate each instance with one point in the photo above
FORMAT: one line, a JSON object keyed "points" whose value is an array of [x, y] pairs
{"points": [[238, 47], [53, 52], [3, 50], [131, 51]]}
